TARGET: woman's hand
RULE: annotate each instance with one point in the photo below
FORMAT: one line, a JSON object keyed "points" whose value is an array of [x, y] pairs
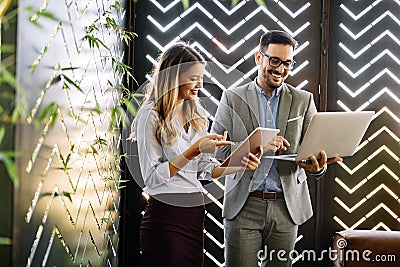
{"points": [[211, 143], [207, 144]]}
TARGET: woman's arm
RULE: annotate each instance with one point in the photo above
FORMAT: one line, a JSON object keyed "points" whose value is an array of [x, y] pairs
{"points": [[154, 168], [176, 164], [207, 144]]}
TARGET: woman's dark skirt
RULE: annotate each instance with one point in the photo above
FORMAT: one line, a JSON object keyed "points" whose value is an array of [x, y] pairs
{"points": [[172, 234]]}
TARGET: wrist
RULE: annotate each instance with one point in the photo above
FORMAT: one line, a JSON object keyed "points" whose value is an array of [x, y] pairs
{"points": [[320, 173], [192, 151]]}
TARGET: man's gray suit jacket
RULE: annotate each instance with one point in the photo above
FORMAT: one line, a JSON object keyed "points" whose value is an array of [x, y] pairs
{"points": [[238, 113]]}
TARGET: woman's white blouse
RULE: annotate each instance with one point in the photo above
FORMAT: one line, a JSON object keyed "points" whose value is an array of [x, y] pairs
{"points": [[154, 158]]}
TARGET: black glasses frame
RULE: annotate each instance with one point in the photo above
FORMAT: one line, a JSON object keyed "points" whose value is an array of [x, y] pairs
{"points": [[287, 65]]}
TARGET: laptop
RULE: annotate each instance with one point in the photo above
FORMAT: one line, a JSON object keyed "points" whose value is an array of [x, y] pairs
{"points": [[337, 133]]}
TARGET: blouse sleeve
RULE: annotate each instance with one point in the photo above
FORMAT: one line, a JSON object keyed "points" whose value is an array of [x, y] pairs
{"points": [[206, 164], [207, 161], [154, 170]]}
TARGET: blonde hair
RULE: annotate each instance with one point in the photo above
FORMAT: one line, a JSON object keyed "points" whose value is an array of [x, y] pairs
{"points": [[164, 91]]}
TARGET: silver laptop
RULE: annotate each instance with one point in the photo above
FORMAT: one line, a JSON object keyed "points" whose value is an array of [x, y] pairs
{"points": [[337, 133]]}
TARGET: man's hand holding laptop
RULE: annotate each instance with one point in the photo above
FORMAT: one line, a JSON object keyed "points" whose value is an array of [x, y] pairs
{"points": [[313, 165]]}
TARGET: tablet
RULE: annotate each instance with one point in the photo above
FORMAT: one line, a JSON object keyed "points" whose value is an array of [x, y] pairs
{"points": [[337, 133], [259, 137]]}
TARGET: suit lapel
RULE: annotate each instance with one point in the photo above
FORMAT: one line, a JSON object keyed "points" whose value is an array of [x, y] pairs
{"points": [[284, 109], [252, 100]]}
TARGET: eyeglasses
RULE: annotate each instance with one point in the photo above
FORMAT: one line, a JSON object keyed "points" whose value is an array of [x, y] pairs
{"points": [[276, 62]]}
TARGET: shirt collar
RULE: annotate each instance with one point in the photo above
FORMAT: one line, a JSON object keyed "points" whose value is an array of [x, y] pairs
{"points": [[276, 92]]}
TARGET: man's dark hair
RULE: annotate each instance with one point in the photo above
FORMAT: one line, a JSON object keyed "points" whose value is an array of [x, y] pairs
{"points": [[276, 37]]}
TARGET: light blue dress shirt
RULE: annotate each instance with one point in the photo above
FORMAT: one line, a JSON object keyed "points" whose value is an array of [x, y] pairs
{"points": [[267, 177]]}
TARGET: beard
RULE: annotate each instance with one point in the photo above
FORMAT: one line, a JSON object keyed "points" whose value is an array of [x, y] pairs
{"points": [[269, 79]]}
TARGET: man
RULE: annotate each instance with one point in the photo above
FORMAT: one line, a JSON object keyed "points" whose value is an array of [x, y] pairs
{"points": [[263, 208]]}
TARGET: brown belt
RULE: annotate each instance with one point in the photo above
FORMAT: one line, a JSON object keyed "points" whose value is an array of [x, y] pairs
{"points": [[267, 195]]}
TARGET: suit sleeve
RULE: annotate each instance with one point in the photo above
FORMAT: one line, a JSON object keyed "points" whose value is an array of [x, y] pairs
{"points": [[223, 117], [223, 122], [309, 114]]}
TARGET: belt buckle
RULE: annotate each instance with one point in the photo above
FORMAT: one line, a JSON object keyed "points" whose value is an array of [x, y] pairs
{"points": [[272, 193]]}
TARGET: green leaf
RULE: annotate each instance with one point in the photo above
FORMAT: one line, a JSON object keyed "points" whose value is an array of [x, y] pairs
{"points": [[96, 109], [261, 3], [68, 81], [7, 48], [8, 77], [64, 194], [234, 2], [5, 241], [130, 107], [50, 112], [118, 113], [5, 4], [68, 159], [104, 220], [49, 16], [94, 150], [112, 23], [117, 5], [10, 167], [185, 4], [16, 114], [101, 141], [94, 41], [2, 133], [70, 68]]}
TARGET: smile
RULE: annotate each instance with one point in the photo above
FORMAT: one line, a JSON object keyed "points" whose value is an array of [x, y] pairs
{"points": [[276, 75]]}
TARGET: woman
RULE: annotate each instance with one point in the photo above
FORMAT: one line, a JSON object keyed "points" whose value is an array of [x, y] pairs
{"points": [[174, 152]]}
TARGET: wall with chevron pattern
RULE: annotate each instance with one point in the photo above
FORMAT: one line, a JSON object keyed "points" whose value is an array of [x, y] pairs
{"points": [[366, 187], [360, 193]]}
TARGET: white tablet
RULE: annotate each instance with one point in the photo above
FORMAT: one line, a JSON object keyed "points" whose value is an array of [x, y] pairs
{"points": [[259, 137], [337, 133]]}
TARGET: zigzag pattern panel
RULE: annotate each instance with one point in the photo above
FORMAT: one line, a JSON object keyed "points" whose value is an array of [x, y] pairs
{"points": [[68, 200], [367, 185], [228, 37]]}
